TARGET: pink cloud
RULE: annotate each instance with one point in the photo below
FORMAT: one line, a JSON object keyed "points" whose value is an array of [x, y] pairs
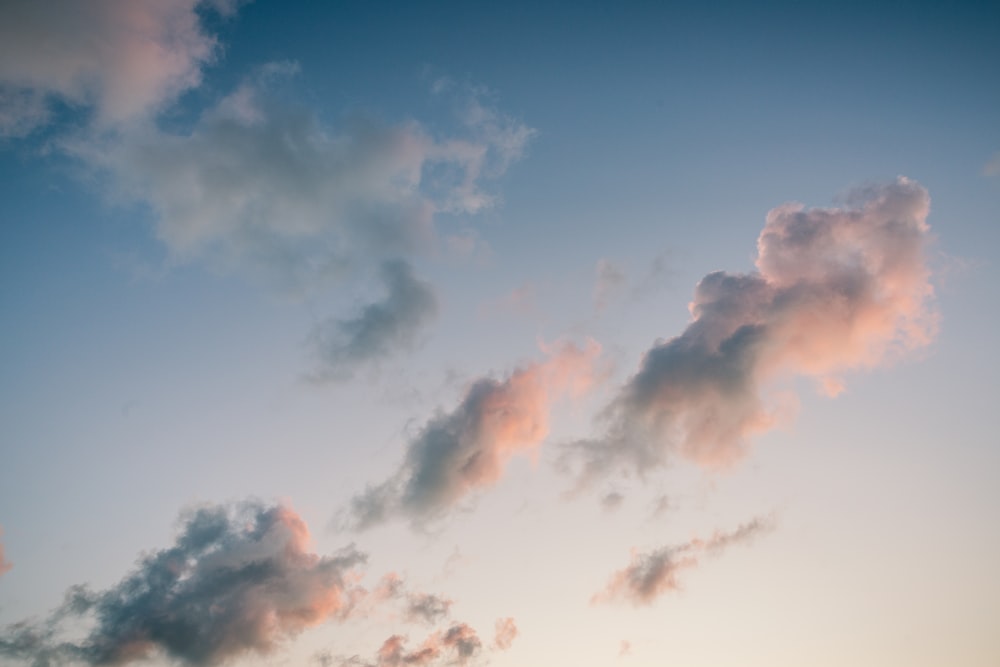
{"points": [[468, 449], [506, 632], [835, 291], [124, 59]]}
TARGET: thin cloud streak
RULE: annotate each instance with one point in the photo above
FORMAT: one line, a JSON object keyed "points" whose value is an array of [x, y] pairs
{"points": [[261, 183], [654, 573], [836, 290], [467, 449]]}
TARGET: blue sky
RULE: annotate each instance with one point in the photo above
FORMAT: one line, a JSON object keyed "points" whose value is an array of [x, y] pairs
{"points": [[441, 281]]}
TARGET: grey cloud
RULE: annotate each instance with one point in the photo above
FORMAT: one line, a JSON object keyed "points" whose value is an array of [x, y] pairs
{"points": [[654, 573], [237, 580], [379, 329], [427, 608], [261, 182], [836, 290]]}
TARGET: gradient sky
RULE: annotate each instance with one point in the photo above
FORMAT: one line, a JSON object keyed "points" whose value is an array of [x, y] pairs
{"points": [[369, 333]]}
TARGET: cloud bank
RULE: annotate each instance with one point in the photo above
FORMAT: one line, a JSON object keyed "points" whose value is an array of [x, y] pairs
{"points": [[237, 580], [467, 449], [652, 574], [835, 290]]}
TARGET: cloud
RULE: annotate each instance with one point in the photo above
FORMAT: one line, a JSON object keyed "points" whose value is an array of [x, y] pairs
{"points": [[237, 580], [992, 166], [379, 329], [506, 632], [123, 60], [457, 645], [835, 290], [609, 281], [427, 608], [261, 182], [652, 574], [5, 565], [467, 449]]}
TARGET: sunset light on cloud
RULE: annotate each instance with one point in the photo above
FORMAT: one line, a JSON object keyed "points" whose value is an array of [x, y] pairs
{"points": [[382, 334]]}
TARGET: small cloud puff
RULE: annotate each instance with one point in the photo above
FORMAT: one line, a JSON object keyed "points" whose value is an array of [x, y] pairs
{"points": [[467, 449]]}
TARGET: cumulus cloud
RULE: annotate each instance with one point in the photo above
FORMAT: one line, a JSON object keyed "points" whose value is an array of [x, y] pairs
{"points": [[262, 182], [379, 329], [123, 60], [237, 580], [835, 290], [654, 573], [467, 449], [427, 608], [506, 632]]}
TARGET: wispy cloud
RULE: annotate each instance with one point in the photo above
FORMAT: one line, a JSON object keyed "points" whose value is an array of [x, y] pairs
{"points": [[654, 573], [260, 181], [123, 61], [380, 329], [237, 580], [506, 633], [5, 565], [466, 450], [835, 290]]}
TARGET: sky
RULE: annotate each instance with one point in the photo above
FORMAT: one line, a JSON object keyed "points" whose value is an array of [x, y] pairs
{"points": [[372, 334]]}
